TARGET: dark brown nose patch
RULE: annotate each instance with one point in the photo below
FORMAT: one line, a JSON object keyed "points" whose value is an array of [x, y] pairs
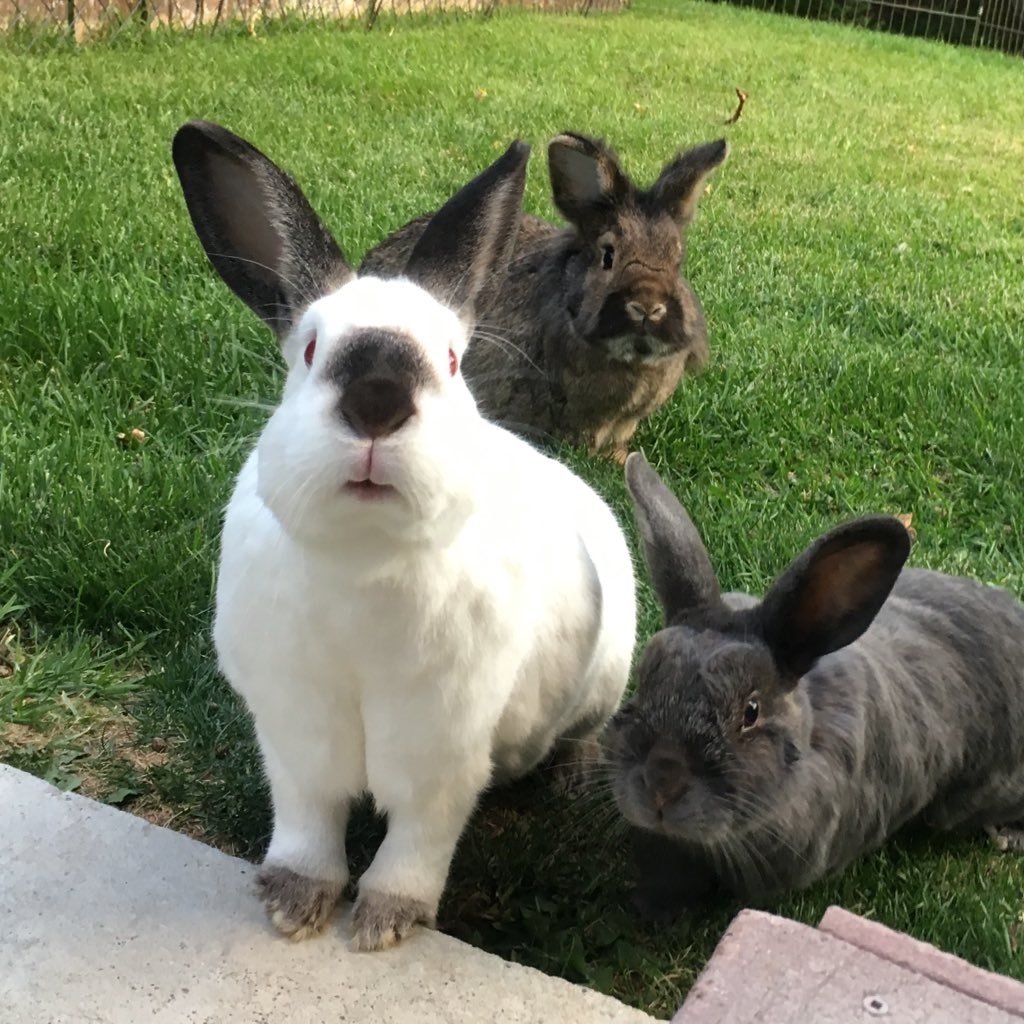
{"points": [[380, 375], [376, 406], [666, 776]]}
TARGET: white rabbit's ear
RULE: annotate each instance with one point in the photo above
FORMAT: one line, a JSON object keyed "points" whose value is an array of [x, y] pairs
{"points": [[470, 239], [681, 182], [832, 592], [587, 183], [676, 557], [257, 228]]}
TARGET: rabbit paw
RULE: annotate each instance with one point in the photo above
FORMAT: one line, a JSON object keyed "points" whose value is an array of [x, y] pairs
{"points": [[657, 908], [619, 454], [298, 906], [382, 919], [1007, 838]]}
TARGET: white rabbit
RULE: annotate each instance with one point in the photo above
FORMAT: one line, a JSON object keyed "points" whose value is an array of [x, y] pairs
{"points": [[411, 601]]}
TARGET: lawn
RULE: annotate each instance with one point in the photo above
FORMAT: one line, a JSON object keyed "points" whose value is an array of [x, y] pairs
{"points": [[861, 260]]}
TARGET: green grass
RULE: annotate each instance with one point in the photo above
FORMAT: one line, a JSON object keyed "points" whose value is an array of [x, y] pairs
{"points": [[861, 260]]}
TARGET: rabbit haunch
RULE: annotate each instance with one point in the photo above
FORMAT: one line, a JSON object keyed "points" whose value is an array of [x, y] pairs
{"points": [[592, 328], [771, 742], [410, 600]]}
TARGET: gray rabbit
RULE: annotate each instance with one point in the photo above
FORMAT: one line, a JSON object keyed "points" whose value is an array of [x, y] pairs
{"points": [[771, 742], [592, 328]]}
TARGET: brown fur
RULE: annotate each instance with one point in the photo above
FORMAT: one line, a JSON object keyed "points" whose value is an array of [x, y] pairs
{"points": [[561, 348]]}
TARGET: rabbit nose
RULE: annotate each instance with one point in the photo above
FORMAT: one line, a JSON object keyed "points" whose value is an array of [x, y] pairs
{"points": [[376, 406], [638, 311], [666, 776]]}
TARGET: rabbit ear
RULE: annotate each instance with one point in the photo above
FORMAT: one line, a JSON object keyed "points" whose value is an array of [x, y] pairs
{"points": [[470, 239], [679, 185], [832, 592], [676, 557], [257, 228], [586, 180]]}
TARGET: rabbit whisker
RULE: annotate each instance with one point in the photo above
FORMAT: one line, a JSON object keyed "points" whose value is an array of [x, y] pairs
{"points": [[302, 292]]}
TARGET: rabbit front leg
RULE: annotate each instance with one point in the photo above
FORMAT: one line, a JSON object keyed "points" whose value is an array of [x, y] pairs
{"points": [[305, 869], [670, 879], [1007, 838], [426, 817]]}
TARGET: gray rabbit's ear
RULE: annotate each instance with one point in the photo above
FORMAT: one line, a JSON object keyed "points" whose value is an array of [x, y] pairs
{"points": [[676, 557], [257, 228], [681, 182], [587, 183], [470, 239], [832, 592]]}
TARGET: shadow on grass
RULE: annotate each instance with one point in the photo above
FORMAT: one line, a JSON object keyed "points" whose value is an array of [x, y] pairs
{"points": [[543, 879]]}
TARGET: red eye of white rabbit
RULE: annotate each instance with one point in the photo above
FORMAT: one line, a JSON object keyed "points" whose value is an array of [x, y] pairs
{"points": [[308, 355], [453, 362], [750, 714]]}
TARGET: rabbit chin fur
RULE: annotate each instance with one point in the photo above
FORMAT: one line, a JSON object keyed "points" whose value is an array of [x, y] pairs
{"points": [[422, 641]]}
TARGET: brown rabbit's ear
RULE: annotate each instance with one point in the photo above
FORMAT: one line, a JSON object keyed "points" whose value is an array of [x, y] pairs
{"points": [[257, 228], [586, 180], [832, 592], [676, 557], [469, 241], [681, 181]]}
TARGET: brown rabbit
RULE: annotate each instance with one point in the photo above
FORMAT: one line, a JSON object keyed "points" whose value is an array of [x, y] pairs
{"points": [[592, 328]]}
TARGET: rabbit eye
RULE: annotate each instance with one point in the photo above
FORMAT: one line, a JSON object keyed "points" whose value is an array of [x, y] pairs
{"points": [[453, 362], [751, 713], [608, 258], [308, 355]]}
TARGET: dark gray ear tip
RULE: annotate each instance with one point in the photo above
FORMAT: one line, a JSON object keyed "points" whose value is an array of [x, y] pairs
{"points": [[188, 140], [576, 142], [707, 154], [891, 531], [637, 471], [196, 139], [198, 133], [514, 159], [887, 531]]}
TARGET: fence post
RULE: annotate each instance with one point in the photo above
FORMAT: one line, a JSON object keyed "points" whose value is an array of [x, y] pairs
{"points": [[977, 25], [69, 14]]}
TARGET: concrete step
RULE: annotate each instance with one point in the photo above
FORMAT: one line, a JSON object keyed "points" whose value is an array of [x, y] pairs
{"points": [[107, 919]]}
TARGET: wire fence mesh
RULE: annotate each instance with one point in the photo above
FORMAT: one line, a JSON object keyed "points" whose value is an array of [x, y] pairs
{"points": [[996, 24]]}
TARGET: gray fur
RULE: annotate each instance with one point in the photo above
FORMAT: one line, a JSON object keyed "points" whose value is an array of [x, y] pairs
{"points": [[919, 718], [556, 351], [382, 919], [297, 906], [256, 226]]}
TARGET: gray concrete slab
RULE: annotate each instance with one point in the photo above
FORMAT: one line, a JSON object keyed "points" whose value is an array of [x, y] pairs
{"points": [[107, 919]]}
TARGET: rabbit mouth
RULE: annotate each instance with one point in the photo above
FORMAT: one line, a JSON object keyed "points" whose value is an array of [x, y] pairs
{"points": [[367, 490], [638, 347]]}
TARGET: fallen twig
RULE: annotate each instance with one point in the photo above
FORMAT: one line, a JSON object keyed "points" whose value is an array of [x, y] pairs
{"points": [[739, 106]]}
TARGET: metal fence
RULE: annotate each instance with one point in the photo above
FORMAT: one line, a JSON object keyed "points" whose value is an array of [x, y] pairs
{"points": [[36, 22], [997, 24]]}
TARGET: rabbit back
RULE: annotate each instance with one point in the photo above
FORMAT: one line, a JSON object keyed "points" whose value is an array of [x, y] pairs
{"points": [[961, 643]]}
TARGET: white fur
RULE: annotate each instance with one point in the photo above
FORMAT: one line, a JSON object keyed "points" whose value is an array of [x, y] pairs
{"points": [[418, 644]]}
